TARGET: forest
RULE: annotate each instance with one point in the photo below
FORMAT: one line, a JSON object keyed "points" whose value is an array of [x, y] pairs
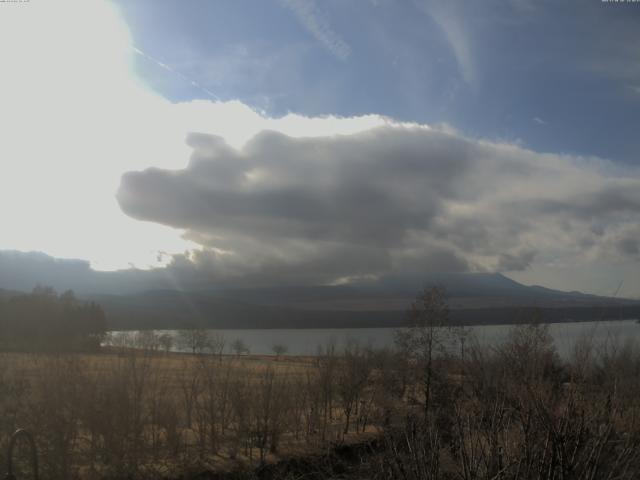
{"points": [[46, 321]]}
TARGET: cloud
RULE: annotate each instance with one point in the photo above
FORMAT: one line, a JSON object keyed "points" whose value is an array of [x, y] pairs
{"points": [[517, 261], [67, 140], [449, 21], [300, 199], [70, 106], [310, 16], [394, 199]]}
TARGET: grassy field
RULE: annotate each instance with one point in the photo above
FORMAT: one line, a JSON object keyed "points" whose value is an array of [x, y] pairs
{"points": [[163, 414], [515, 412]]}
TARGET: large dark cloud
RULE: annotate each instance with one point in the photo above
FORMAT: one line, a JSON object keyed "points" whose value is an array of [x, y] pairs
{"points": [[395, 199], [367, 189]]}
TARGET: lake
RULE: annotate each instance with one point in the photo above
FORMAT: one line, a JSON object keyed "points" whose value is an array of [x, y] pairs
{"points": [[307, 341]]}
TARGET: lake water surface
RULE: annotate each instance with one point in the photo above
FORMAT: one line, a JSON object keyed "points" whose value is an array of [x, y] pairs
{"points": [[307, 341]]}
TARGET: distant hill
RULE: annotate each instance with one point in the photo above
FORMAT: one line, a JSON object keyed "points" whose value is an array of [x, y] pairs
{"points": [[9, 293], [465, 290], [474, 299], [169, 310], [134, 299]]}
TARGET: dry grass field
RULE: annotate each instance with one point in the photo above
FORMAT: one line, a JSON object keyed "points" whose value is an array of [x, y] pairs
{"points": [[149, 414], [515, 412]]}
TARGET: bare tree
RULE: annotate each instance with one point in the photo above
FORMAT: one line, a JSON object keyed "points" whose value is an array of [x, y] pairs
{"points": [[217, 343], [196, 340], [352, 378], [122, 340], [147, 340], [279, 349], [166, 342], [326, 364], [190, 383], [428, 333], [239, 347], [529, 353]]}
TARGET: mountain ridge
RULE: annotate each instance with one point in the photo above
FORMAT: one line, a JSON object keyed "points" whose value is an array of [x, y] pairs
{"points": [[153, 299]]}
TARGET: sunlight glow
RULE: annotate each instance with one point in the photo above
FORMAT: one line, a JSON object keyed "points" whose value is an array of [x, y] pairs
{"points": [[75, 118]]}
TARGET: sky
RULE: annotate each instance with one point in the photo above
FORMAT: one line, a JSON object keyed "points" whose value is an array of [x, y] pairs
{"points": [[325, 142]]}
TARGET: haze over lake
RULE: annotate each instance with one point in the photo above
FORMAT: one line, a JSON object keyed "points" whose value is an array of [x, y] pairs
{"points": [[307, 341]]}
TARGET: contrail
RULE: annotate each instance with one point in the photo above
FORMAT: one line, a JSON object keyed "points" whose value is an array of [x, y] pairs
{"points": [[169, 68]]}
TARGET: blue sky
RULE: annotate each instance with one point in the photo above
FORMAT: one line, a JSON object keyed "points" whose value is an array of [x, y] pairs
{"points": [[325, 142], [553, 76]]}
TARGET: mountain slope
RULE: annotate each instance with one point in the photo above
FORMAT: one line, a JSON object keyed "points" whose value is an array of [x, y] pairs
{"points": [[474, 299], [159, 299]]}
